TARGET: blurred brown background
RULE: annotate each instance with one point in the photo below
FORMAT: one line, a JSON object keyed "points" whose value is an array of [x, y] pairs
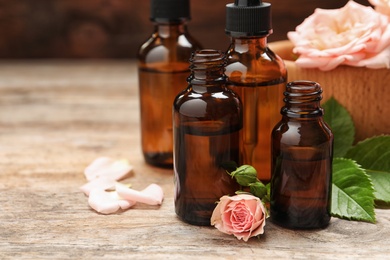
{"points": [[116, 28]]}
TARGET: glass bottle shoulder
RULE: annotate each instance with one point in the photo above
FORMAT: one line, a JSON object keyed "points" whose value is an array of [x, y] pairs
{"points": [[172, 49], [302, 132], [251, 63], [180, 42], [201, 101], [248, 53]]}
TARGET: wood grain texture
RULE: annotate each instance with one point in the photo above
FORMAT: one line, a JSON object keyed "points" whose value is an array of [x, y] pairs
{"points": [[55, 118]]}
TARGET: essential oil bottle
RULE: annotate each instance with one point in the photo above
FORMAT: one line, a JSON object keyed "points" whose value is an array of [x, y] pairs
{"points": [[207, 118], [163, 69], [302, 152], [258, 76]]}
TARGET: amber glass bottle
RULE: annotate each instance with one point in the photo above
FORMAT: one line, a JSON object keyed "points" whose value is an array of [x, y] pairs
{"points": [[163, 69], [258, 76], [207, 121], [302, 151]]}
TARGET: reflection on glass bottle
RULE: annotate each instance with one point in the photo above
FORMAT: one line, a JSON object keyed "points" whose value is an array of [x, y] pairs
{"points": [[163, 70], [302, 151], [207, 118]]}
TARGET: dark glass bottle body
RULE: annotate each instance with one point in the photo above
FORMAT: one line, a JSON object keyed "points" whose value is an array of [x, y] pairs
{"points": [[163, 70], [207, 118], [259, 77], [302, 152]]}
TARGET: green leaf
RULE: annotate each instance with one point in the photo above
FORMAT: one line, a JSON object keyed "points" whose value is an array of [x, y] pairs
{"points": [[267, 198], [340, 121], [245, 175], [373, 154], [381, 182], [258, 189], [352, 192]]}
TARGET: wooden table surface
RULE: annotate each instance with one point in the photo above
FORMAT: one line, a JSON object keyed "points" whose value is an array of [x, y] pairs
{"points": [[58, 116]]}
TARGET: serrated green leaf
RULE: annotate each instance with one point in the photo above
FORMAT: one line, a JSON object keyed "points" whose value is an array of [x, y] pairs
{"points": [[341, 123], [373, 154], [352, 192]]}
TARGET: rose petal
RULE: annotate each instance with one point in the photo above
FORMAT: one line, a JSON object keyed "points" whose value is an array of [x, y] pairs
{"points": [[381, 60], [95, 166], [354, 35], [382, 6], [151, 195], [215, 219], [107, 202], [102, 183], [105, 166], [241, 218]]}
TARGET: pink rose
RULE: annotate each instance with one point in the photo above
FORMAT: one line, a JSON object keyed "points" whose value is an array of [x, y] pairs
{"points": [[382, 6], [354, 35], [242, 215]]}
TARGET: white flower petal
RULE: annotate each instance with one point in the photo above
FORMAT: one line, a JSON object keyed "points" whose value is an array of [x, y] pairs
{"points": [[382, 6], [381, 60], [91, 170], [152, 195], [105, 166], [102, 183], [107, 202]]}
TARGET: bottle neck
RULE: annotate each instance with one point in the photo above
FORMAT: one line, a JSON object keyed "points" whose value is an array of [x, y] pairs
{"points": [[207, 69], [167, 30], [248, 44], [302, 100]]}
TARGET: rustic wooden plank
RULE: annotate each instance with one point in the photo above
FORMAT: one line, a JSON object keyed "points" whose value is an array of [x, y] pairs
{"points": [[55, 118]]}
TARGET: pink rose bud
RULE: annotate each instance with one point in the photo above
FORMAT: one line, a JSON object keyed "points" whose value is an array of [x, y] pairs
{"points": [[245, 175], [258, 189], [242, 215]]}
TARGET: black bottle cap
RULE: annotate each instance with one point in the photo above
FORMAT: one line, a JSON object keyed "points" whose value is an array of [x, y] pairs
{"points": [[248, 18], [169, 10]]}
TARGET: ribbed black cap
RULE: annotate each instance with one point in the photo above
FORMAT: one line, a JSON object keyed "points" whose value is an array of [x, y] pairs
{"points": [[248, 18], [169, 10]]}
